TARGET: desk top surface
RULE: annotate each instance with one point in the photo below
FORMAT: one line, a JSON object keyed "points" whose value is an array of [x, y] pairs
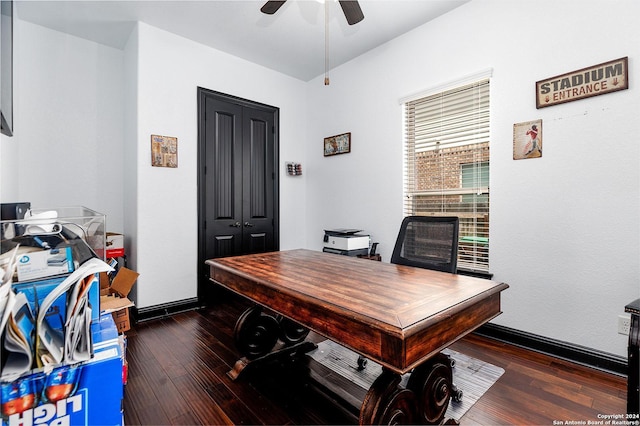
{"points": [[393, 300], [395, 295]]}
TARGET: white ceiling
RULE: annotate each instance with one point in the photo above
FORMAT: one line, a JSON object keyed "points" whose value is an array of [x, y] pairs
{"points": [[292, 41]]}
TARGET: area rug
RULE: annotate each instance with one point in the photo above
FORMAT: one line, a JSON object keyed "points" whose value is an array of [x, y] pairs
{"points": [[473, 376]]}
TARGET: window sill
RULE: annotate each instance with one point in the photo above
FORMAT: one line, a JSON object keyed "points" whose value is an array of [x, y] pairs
{"points": [[477, 274]]}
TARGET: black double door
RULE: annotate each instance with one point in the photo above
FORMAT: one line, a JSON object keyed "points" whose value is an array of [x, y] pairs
{"points": [[238, 179]]}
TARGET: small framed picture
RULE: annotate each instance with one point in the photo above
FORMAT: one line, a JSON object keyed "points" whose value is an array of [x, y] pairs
{"points": [[527, 140], [164, 151], [338, 144]]}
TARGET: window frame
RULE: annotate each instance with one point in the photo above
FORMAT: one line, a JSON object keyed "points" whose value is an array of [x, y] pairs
{"points": [[473, 251]]}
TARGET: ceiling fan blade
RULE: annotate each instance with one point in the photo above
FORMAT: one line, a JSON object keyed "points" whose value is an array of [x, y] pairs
{"points": [[271, 7], [352, 11]]}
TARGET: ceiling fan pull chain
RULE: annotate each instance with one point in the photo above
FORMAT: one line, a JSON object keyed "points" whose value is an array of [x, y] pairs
{"points": [[326, 43]]}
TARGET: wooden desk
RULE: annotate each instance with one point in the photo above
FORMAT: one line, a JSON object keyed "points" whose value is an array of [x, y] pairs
{"points": [[398, 316]]}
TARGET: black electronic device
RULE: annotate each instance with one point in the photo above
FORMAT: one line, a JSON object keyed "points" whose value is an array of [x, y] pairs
{"points": [[341, 231], [352, 253], [13, 211]]}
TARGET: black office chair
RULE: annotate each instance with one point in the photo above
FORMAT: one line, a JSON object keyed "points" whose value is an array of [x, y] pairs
{"points": [[428, 242]]}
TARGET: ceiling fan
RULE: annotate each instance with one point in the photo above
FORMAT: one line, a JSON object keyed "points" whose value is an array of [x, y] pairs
{"points": [[351, 9]]}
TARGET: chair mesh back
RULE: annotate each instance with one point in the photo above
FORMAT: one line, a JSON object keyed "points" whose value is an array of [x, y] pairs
{"points": [[428, 242]]}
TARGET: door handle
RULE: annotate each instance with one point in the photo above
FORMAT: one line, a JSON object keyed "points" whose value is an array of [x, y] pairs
{"points": [[248, 224], [235, 225]]}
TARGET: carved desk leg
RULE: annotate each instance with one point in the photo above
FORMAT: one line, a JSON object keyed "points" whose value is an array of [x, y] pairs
{"points": [[387, 403], [256, 334], [424, 400]]}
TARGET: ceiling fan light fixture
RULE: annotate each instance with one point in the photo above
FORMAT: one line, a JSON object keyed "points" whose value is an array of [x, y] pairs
{"points": [[272, 6], [352, 11], [350, 8]]}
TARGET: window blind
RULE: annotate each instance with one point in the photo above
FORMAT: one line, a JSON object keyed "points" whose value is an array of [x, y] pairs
{"points": [[446, 167]]}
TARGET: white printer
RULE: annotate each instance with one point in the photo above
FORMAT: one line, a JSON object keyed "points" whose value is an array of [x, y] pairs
{"points": [[346, 242]]}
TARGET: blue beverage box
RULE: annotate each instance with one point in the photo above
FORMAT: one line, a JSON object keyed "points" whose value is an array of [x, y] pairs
{"points": [[87, 393]]}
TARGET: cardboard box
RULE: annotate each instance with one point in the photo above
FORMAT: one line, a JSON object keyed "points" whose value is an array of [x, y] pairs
{"points": [[45, 263], [88, 393], [121, 318], [119, 309], [123, 282], [115, 245], [113, 297]]}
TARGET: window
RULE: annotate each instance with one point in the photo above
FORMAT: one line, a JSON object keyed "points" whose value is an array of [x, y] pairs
{"points": [[447, 165]]}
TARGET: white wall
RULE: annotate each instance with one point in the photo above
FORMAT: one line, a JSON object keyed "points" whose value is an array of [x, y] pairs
{"points": [[564, 228], [170, 69], [67, 146], [130, 151]]}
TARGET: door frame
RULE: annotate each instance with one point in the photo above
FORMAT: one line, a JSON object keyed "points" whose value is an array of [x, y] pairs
{"points": [[203, 94]]}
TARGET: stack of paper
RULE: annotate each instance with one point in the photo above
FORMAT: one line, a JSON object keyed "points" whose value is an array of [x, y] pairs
{"points": [[16, 326], [27, 338], [73, 344]]}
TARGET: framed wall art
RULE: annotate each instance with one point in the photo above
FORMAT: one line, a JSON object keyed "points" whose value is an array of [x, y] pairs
{"points": [[584, 83], [527, 140], [164, 151], [338, 144]]}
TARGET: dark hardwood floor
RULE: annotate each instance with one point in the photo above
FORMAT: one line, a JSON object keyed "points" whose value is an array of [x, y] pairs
{"points": [[178, 366]]}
